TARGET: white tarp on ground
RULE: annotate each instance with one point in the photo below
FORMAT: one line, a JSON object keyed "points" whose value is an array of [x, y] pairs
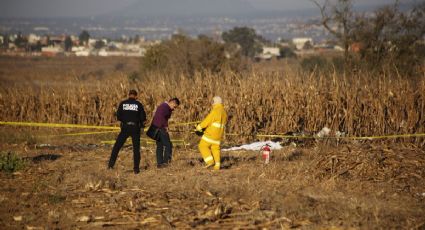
{"points": [[255, 146]]}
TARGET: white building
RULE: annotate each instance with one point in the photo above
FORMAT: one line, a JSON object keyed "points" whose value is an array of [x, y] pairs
{"points": [[13, 37], [74, 39], [132, 47], [118, 45], [51, 50], [338, 48], [110, 53], [81, 51], [274, 51], [300, 42], [92, 42], [268, 53], [140, 52], [78, 48], [33, 39]]}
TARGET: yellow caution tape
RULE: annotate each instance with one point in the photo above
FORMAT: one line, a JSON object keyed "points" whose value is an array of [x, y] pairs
{"points": [[387, 136], [87, 133], [279, 136], [149, 141], [271, 135], [185, 123], [56, 125], [332, 137], [172, 140]]}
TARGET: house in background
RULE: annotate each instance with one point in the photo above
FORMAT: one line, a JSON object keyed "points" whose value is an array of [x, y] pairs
{"points": [[301, 42], [81, 51], [52, 51], [57, 40], [268, 53], [33, 38], [356, 47]]}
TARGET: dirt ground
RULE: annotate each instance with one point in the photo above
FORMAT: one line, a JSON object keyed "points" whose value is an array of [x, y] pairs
{"points": [[65, 184], [42, 71], [357, 185]]}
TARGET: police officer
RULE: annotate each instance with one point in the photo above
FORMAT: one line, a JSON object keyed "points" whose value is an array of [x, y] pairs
{"points": [[132, 116]]}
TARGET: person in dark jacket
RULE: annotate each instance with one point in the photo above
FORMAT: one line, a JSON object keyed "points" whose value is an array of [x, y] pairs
{"points": [[132, 116], [164, 146]]}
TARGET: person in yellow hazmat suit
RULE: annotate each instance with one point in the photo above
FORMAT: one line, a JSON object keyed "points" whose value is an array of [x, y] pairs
{"points": [[212, 128]]}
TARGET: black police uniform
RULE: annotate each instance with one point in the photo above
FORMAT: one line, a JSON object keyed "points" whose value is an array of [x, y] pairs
{"points": [[132, 116]]}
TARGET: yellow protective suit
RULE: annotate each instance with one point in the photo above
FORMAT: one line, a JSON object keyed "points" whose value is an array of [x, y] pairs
{"points": [[209, 146]]}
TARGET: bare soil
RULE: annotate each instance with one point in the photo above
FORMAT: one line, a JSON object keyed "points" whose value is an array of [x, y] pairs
{"points": [[351, 185], [41, 71]]}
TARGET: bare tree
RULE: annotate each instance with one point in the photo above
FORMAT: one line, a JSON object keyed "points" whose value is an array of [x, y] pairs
{"points": [[387, 36], [392, 36], [338, 20]]}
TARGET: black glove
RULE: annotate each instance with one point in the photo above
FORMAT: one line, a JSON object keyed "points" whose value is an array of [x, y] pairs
{"points": [[199, 132]]}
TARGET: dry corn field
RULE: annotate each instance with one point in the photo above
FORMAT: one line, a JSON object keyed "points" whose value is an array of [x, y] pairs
{"points": [[273, 103], [309, 184]]}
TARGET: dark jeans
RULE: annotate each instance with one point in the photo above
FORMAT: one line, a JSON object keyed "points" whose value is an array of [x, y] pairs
{"points": [[126, 131], [164, 148]]}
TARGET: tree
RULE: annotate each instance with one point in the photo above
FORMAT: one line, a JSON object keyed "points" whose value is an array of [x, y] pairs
{"points": [[287, 52], [99, 44], [36, 47], [6, 41], [68, 43], [307, 45], [392, 35], [341, 15], [185, 55], [21, 41], [249, 42], [48, 41], [136, 39], [84, 37], [389, 36]]}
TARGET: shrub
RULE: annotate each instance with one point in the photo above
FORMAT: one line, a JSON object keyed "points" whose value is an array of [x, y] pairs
{"points": [[287, 52], [184, 55], [10, 162]]}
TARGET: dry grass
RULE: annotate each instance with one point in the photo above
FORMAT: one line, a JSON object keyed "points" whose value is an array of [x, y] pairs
{"points": [[257, 102], [74, 190]]}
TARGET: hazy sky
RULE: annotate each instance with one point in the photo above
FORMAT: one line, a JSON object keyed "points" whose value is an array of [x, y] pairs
{"points": [[79, 8]]}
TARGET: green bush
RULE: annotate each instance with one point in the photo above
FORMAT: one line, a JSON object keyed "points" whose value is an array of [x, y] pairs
{"points": [[10, 162], [287, 52], [247, 39], [185, 55]]}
